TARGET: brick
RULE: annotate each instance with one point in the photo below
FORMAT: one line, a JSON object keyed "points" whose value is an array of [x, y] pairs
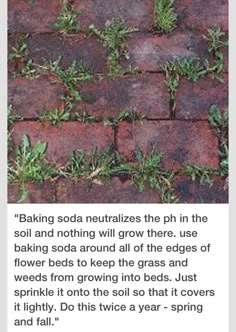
{"points": [[180, 142], [194, 99], [37, 193], [193, 192], [112, 192], [201, 14], [146, 94], [37, 16], [30, 97], [137, 13], [63, 140], [149, 52], [82, 49]]}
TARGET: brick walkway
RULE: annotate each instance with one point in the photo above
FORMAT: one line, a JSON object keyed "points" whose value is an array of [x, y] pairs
{"points": [[180, 129]]}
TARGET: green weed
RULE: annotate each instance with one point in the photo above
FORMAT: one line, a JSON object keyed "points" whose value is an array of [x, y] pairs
{"points": [[220, 121], [224, 162], [148, 169], [192, 69], [199, 173], [30, 70], [67, 20], [11, 118], [165, 17], [128, 116], [83, 116], [72, 76], [29, 165], [20, 51], [114, 37], [92, 166], [216, 39], [175, 69], [55, 116]]}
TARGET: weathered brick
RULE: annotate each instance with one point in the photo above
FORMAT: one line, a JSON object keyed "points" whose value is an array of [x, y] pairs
{"points": [[146, 94], [37, 193], [180, 142], [112, 192], [63, 140], [149, 52], [194, 99], [137, 13], [193, 192], [31, 97], [34, 16], [82, 49], [201, 14]]}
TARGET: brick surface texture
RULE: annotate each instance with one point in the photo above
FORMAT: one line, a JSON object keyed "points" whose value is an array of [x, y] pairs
{"points": [[178, 129]]}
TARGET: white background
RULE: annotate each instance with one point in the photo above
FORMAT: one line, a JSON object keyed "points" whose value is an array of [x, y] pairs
{"points": [[212, 270]]}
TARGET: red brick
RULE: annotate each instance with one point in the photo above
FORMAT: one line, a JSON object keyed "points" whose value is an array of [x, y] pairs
{"points": [[194, 99], [37, 16], [82, 49], [111, 192], [149, 52], [30, 97], [202, 14], [146, 94], [63, 140], [180, 142], [193, 192], [137, 13], [37, 193]]}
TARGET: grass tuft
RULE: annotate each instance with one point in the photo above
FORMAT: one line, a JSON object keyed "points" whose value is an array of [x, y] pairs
{"points": [[199, 173], [20, 50], [67, 20], [165, 17], [29, 165], [220, 121], [92, 166], [114, 37], [128, 116], [55, 116]]}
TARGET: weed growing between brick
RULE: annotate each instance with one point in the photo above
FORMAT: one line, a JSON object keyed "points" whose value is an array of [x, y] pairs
{"points": [[114, 37], [29, 165], [93, 166], [55, 116], [70, 77], [216, 43], [128, 116], [199, 173], [11, 118], [165, 17], [195, 68], [20, 50], [148, 170], [85, 117], [67, 20], [175, 69], [220, 121]]}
